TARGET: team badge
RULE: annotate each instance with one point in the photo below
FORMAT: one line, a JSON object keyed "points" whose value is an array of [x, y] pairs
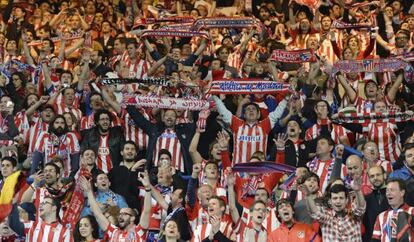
{"points": [[301, 234]]}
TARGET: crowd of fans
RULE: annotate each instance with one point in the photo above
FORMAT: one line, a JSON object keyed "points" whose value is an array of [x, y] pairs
{"points": [[98, 167]]}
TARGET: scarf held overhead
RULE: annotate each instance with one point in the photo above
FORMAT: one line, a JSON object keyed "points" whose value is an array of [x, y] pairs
{"points": [[342, 25], [373, 65], [148, 81], [365, 118], [294, 56], [247, 86], [166, 102]]}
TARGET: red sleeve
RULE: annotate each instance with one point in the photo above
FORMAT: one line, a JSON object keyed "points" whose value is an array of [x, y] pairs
{"points": [[280, 157], [236, 123], [225, 159]]}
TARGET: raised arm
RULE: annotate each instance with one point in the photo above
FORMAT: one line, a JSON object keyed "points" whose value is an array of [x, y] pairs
{"points": [[195, 155], [348, 89], [277, 114], [232, 198], [100, 217], [394, 88], [26, 50], [145, 215], [221, 108], [150, 189]]}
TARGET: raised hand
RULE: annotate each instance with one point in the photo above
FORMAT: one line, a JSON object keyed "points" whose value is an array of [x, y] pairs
{"points": [[138, 164], [144, 179], [280, 141], [356, 184], [339, 151], [223, 139], [196, 170], [231, 179], [85, 184]]}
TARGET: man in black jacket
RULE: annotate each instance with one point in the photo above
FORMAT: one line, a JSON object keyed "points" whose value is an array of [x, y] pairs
{"points": [[164, 133], [376, 201], [107, 140]]}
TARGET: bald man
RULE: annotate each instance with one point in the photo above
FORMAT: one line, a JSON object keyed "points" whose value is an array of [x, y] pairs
{"points": [[355, 168]]}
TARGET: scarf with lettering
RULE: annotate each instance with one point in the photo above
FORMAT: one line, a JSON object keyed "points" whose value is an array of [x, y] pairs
{"points": [[148, 81], [366, 118], [247, 86], [373, 65], [294, 56], [263, 167], [342, 25], [225, 22], [166, 102], [174, 33]]}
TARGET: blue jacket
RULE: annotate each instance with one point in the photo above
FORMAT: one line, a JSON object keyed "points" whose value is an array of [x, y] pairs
{"points": [[402, 173]]}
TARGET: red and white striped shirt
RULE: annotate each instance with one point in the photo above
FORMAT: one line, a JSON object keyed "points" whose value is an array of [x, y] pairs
{"points": [[197, 216], [39, 231], [133, 132], [38, 196], [137, 234], [324, 170], [241, 230], [62, 108], [51, 145], [383, 228], [169, 141], [387, 139], [157, 214], [203, 231], [337, 131], [34, 134], [270, 223], [104, 162], [249, 138]]}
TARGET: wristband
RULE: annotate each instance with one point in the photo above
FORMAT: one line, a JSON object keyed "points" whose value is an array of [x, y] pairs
{"points": [[148, 189]]}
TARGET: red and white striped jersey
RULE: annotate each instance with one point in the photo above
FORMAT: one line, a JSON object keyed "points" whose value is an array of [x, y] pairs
{"points": [[51, 145], [242, 233], [62, 108], [104, 162], [386, 224], [197, 216], [249, 138], [39, 231], [138, 68], [137, 234], [133, 132], [324, 170], [169, 140], [326, 49], [38, 196], [387, 139], [270, 223], [337, 131], [157, 214], [34, 134], [203, 231], [23, 124]]}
